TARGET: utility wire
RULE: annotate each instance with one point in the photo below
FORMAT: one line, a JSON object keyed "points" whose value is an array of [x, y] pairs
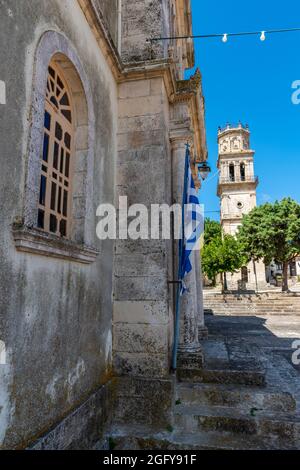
{"points": [[226, 35], [212, 177]]}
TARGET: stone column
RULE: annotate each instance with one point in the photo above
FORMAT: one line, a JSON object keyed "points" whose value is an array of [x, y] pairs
{"points": [[237, 171], [251, 169], [247, 170], [190, 352], [227, 171]]}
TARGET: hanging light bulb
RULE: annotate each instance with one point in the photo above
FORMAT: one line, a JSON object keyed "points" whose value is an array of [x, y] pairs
{"points": [[225, 38], [204, 170], [263, 36]]}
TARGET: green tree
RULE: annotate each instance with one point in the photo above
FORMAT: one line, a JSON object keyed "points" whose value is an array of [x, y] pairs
{"points": [[220, 256], [272, 232], [212, 230]]}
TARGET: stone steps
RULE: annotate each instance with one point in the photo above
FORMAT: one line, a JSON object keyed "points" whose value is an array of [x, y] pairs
{"points": [[194, 418], [237, 400], [132, 439], [244, 314], [283, 301], [253, 377], [231, 313], [257, 313], [260, 310], [238, 303], [237, 307], [240, 397], [250, 304], [259, 295], [251, 309], [221, 416], [291, 298]]}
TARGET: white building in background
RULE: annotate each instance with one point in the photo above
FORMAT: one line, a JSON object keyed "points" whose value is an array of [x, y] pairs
{"points": [[298, 266], [237, 191]]}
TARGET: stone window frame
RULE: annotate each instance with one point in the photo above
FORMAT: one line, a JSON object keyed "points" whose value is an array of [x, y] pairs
{"points": [[54, 46]]}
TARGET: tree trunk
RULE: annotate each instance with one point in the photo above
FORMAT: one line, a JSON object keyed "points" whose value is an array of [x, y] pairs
{"points": [[222, 282], [225, 283], [285, 283], [255, 274]]}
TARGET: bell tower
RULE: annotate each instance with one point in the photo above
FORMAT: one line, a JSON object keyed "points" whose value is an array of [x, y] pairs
{"points": [[237, 181], [237, 191]]}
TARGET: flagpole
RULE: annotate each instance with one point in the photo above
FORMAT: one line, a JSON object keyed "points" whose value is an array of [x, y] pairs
{"points": [[180, 273]]}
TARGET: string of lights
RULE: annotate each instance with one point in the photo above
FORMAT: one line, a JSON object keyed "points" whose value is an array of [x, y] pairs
{"points": [[212, 177], [225, 36]]}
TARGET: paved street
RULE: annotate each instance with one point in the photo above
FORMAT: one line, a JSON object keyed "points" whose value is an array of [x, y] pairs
{"points": [[267, 339]]}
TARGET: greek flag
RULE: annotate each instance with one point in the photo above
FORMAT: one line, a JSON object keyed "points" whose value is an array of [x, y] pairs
{"points": [[193, 224], [192, 229]]}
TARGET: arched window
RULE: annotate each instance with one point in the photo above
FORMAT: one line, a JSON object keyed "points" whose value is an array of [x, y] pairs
{"points": [[55, 199], [243, 171], [231, 172], [59, 190]]}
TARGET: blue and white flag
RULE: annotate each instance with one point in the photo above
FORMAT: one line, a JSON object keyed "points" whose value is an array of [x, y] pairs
{"points": [[193, 224], [192, 230]]}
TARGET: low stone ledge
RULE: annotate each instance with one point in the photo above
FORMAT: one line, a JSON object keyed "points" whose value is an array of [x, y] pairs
{"points": [[85, 427], [37, 242]]}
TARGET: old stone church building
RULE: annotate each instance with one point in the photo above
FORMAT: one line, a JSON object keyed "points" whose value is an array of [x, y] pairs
{"points": [[90, 111]]}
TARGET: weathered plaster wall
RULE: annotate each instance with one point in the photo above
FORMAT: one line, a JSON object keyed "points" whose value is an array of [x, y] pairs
{"points": [[55, 316], [109, 10]]}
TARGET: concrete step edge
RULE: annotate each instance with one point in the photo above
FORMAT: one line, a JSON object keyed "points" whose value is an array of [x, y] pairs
{"points": [[227, 412], [201, 440]]}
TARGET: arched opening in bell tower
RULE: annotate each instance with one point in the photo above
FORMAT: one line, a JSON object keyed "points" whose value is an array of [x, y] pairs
{"points": [[231, 172], [243, 172]]}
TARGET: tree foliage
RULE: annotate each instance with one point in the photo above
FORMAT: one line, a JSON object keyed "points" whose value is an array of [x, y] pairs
{"points": [[221, 253], [212, 230], [272, 232]]}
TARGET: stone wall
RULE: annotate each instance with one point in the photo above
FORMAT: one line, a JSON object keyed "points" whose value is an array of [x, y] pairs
{"points": [[67, 327], [141, 20], [142, 401], [86, 427], [142, 321], [55, 318]]}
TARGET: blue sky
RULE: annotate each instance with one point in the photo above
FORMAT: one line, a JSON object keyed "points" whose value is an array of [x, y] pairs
{"points": [[249, 80]]}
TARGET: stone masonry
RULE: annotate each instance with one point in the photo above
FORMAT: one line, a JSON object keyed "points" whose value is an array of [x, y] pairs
{"points": [[237, 191], [86, 325]]}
